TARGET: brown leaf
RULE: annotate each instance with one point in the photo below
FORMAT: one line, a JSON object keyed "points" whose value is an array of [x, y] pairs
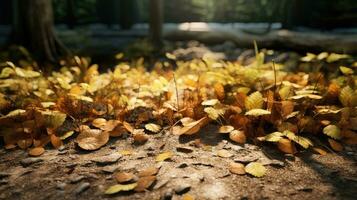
{"points": [[140, 136], [192, 127], [37, 151], [24, 143], [122, 177], [238, 136], [56, 141], [144, 183], [236, 168], [149, 171], [320, 151], [335, 145], [286, 146], [92, 139]]}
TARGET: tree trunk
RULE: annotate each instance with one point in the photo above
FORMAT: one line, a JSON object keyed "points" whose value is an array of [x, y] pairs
{"points": [[33, 28], [156, 21]]}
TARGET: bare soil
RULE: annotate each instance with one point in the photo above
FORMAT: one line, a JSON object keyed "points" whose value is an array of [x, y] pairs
{"points": [[71, 173]]}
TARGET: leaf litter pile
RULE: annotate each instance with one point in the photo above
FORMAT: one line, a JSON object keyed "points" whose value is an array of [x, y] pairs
{"points": [[261, 103]]}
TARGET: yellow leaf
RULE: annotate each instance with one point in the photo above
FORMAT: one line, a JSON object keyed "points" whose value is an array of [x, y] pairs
{"points": [[346, 95], [272, 137], [309, 57], [258, 112], [164, 156], [346, 70], [66, 135], [192, 127], [225, 129], [6, 72], [214, 113], [256, 169], [210, 102], [153, 127], [254, 101], [119, 187], [332, 131], [333, 57]]}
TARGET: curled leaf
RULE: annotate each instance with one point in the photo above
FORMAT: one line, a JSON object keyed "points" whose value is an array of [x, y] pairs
{"points": [[332, 131]]}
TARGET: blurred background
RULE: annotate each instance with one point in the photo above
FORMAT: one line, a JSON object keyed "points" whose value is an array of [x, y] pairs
{"points": [[100, 27]]}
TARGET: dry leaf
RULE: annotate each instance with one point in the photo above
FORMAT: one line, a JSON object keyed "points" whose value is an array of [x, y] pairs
{"points": [[225, 129], [188, 197], [236, 168], [118, 188], [320, 151], [144, 183], [164, 156], [153, 127], [256, 169], [122, 177], [238, 136], [140, 136], [335, 145], [92, 139], [258, 112], [286, 146], [254, 101], [37, 151], [149, 171], [332, 131], [100, 123], [224, 153], [192, 127], [56, 141]]}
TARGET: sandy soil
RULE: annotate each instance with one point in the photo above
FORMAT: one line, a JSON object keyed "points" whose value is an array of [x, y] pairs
{"points": [[71, 173]]}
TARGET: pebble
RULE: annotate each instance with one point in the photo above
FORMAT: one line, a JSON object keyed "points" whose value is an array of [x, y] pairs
{"points": [[182, 188], [76, 179], [108, 159], [29, 161], [82, 187]]}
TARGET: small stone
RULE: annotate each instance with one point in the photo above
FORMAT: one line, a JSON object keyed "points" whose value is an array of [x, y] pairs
{"points": [[61, 186], [82, 187], [167, 195], [246, 159], [109, 169], [107, 160], [29, 161], [182, 188], [76, 179]]}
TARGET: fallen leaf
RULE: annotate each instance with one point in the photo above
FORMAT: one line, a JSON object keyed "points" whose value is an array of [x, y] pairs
{"points": [[92, 139], [254, 101], [236, 168], [119, 187], [224, 153], [320, 151], [192, 127], [140, 136], [37, 151], [256, 169], [148, 171], [335, 145], [225, 129], [164, 156], [144, 183], [238, 136], [153, 127], [56, 141], [332, 131], [122, 177], [258, 112], [286, 146]]}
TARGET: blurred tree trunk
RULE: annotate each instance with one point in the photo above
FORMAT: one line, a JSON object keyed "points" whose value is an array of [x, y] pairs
{"points": [[156, 22], [33, 28]]}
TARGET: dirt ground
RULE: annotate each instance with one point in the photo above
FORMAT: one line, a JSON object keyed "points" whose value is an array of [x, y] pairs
{"points": [[71, 173]]}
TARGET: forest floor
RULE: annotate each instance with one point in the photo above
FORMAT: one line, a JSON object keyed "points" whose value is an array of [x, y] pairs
{"points": [[193, 171]]}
